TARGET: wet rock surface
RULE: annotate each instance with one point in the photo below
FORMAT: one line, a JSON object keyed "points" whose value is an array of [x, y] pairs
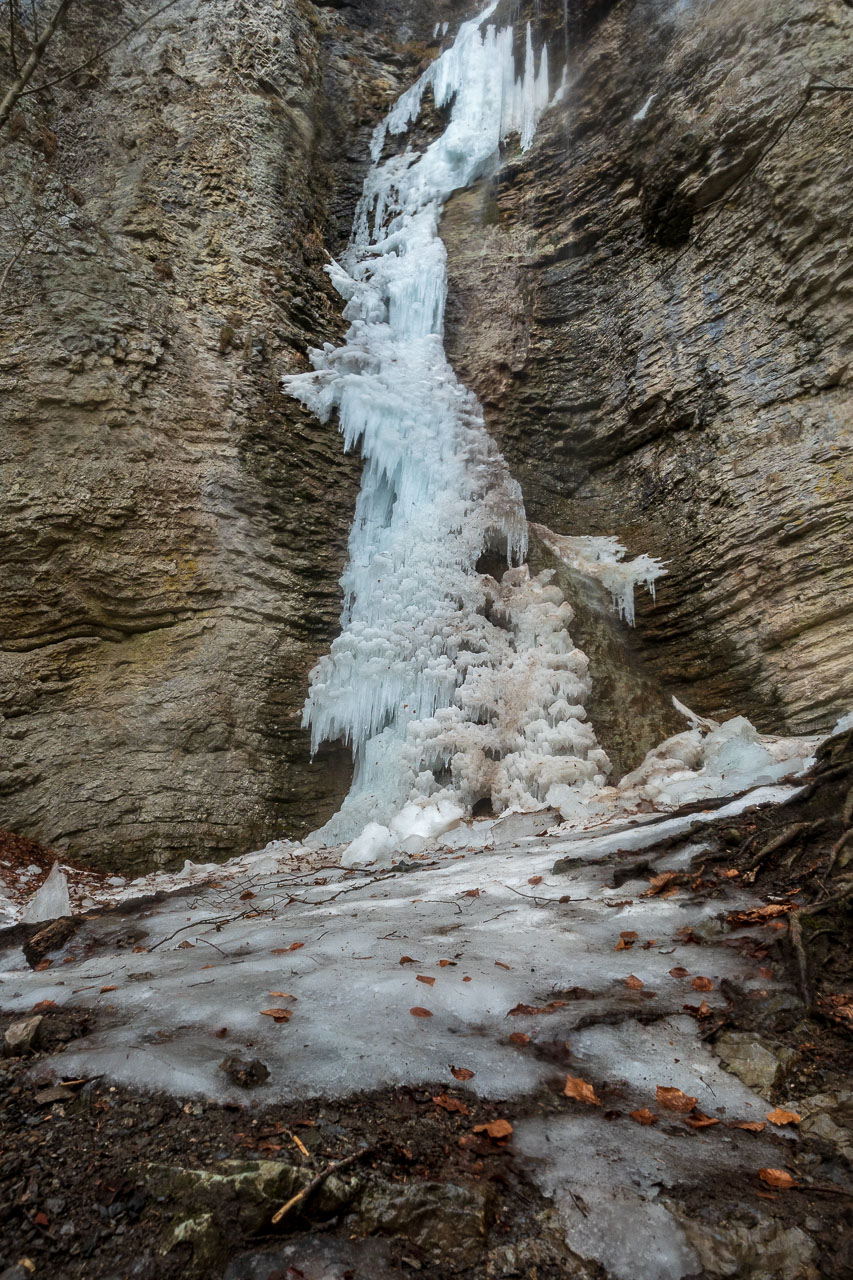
{"points": [[655, 314]]}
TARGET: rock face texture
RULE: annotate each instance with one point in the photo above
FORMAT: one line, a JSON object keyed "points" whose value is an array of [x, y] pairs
{"points": [[654, 305], [173, 528], [655, 312]]}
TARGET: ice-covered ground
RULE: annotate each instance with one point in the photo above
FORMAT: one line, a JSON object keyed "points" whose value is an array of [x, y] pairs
{"points": [[342, 981]]}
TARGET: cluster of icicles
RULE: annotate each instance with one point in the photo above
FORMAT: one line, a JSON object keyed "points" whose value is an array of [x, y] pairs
{"points": [[451, 687]]}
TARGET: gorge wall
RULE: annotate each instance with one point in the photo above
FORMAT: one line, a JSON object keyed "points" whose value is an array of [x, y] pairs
{"points": [[659, 334]]}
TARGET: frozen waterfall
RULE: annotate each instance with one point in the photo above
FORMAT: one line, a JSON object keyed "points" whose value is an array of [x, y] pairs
{"points": [[450, 686]]}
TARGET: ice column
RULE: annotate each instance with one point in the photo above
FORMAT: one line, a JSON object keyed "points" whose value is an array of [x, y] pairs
{"points": [[435, 492]]}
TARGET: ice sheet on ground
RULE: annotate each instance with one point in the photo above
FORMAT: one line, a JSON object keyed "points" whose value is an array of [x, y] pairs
{"points": [[492, 928], [214, 957]]}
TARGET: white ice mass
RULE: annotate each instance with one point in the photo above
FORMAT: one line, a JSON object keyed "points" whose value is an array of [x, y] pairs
{"points": [[447, 683]]}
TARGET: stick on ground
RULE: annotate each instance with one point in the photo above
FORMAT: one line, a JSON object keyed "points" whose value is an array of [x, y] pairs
{"points": [[321, 1177]]}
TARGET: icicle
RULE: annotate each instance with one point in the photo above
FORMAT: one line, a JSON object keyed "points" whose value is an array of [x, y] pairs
{"points": [[604, 560]]}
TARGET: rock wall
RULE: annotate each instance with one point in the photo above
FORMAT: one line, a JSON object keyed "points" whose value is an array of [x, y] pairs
{"points": [[654, 313], [173, 528], [654, 305]]}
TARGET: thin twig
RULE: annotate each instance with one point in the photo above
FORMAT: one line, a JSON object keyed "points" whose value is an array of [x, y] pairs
{"points": [[96, 57], [796, 935], [321, 1177], [20, 82], [828, 902]]}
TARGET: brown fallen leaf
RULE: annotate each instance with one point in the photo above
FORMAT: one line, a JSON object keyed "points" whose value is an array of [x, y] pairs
{"points": [[581, 1090], [451, 1104], [780, 1116], [629, 935], [462, 1073], [444, 964], [634, 982], [678, 972], [622, 945], [247, 896], [698, 1010], [698, 1121], [535, 880], [496, 1129], [408, 960], [500, 964], [43, 964], [752, 1126], [644, 1116], [702, 984], [422, 977], [658, 883], [471, 893], [418, 1012], [761, 915], [283, 951], [279, 995], [674, 1099], [277, 1015], [466, 979], [531, 1008], [777, 1178], [518, 1037], [112, 988], [43, 1004]]}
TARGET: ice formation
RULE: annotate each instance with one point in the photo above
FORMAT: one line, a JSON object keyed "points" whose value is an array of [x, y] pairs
{"points": [[604, 560], [49, 901], [422, 674]]}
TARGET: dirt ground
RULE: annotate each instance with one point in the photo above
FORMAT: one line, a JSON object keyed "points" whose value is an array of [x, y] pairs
{"points": [[83, 1192]]}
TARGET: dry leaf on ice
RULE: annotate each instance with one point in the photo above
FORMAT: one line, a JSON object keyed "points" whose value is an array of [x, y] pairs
{"points": [[421, 977], [633, 982], [496, 1129], [535, 880], [781, 1116], [579, 1089], [277, 1015], [462, 1073], [698, 1121], [644, 1116], [674, 1099], [751, 1126], [406, 960], [678, 972], [518, 1037], [702, 984], [777, 1178], [418, 1012]]}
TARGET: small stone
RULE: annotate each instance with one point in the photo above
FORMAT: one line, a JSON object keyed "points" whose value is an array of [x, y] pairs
{"points": [[246, 1073], [22, 1038], [757, 1063]]}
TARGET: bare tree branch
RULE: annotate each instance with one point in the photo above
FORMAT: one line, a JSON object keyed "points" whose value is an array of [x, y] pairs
{"points": [[22, 79], [101, 52]]}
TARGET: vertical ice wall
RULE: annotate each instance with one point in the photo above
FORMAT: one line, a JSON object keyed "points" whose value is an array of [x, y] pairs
{"points": [[420, 628]]}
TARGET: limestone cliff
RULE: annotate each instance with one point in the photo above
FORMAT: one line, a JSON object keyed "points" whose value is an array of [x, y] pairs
{"points": [[173, 527], [653, 304]]}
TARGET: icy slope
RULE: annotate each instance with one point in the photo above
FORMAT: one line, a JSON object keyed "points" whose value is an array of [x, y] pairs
{"points": [[340, 982]]}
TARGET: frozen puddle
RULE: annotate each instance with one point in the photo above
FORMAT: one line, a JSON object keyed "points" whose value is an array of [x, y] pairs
{"points": [[462, 938]]}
